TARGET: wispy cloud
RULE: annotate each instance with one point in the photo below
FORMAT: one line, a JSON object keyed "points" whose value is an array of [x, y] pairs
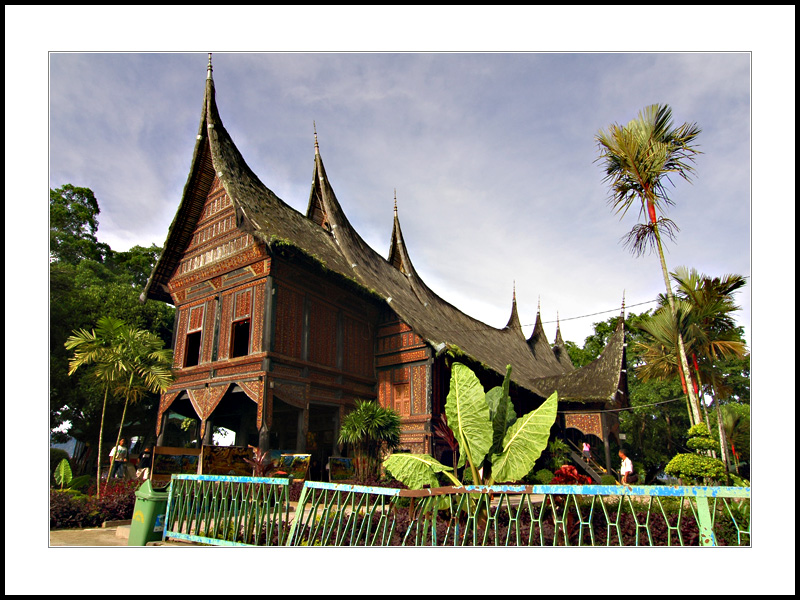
{"points": [[492, 156]]}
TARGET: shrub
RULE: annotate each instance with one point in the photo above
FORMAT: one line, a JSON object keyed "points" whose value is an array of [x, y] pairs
{"points": [[71, 509], [568, 475], [607, 479], [544, 476], [697, 467]]}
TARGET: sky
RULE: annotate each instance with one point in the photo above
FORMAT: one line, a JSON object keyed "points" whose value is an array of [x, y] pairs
{"points": [[482, 118], [492, 156]]}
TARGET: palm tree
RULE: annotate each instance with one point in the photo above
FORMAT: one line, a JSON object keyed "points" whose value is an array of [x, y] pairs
{"points": [[712, 330], [368, 428], [146, 365], [638, 158], [126, 360], [704, 307]]}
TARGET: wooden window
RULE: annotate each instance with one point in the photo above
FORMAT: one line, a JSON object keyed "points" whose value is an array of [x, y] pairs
{"points": [[240, 338], [193, 349]]}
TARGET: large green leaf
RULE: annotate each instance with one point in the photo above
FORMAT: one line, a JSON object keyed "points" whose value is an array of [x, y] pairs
{"points": [[415, 470], [501, 411], [63, 473], [468, 414], [524, 442]]}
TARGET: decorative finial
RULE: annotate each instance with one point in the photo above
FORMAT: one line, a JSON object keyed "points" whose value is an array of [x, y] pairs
{"points": [[514, 296], [623, 302], [539, 306], [395, 202], [210, 68], [316, 141]]}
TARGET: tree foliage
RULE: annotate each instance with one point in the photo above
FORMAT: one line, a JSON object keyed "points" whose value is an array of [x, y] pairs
{"points": [[89, 280], [639, 159]]}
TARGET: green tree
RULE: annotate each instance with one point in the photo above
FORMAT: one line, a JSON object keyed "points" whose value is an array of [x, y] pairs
{"points": [[639, 158], [370, 428], [73, 225], [124, 360], [711, 331], [655, 424], [88, 280]]}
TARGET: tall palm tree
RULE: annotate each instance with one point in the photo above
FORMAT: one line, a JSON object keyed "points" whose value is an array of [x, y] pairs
{"points": [[639, 158], [127, 361]]}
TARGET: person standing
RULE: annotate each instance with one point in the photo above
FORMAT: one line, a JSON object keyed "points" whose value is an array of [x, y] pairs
{"points": [[626, 469], [145, 464], [118, 457], [587, 452]]}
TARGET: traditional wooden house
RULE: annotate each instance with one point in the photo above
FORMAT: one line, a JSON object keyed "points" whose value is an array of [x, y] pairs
{"points": [[284, 319]]}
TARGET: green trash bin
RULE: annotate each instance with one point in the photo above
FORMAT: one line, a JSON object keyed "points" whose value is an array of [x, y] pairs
{"points": [[147, 524]]}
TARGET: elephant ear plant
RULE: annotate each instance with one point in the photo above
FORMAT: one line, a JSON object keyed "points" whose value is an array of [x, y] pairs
{"points": [[494, 443]]}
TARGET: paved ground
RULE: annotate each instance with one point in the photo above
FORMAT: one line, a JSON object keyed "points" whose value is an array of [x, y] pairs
{"points": [[106, 536], [88, 537]]}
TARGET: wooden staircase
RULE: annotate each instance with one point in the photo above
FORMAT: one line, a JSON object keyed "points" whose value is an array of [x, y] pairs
{"points": [[592, 468]]}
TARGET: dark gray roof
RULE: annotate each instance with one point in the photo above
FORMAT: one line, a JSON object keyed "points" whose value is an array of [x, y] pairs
{"points": [[325, 235]]}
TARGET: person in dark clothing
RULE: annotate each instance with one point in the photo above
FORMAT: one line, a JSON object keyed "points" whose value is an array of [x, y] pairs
{"points": [[145, 464]]}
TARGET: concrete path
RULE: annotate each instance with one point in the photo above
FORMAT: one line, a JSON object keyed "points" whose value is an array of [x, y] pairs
{"points": [[107, 536]]}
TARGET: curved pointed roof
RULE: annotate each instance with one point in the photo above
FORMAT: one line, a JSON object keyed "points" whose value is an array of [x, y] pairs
{"points": [[541, 350], [325, 235], [560, 350], [514, 323], [603, 380]]}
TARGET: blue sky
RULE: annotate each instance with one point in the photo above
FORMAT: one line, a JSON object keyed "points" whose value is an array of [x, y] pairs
{"points": [[492, 156]]}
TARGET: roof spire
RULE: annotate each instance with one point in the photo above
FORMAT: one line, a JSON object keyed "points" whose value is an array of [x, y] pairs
{"points": [[316, 141], [539, 306], [623, 304], [210, 68], [395, 202]]}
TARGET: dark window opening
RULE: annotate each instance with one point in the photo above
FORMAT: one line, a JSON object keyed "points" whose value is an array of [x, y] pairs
{"points": [[192, 349], [240, 338]]}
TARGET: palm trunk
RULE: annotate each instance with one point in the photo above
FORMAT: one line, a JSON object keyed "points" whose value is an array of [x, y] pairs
{"points": [[100, 442], [723, 442], [121, 424], [693, 403]]}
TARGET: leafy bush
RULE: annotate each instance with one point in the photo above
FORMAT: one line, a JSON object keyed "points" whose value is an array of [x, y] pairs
{"points": [[71, 509], [568, 475], [694, 467], [607, 479], [544, 476], [697, 467]]}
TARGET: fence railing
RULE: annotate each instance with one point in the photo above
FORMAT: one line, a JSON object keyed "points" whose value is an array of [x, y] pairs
{"points": [[542, 515], [228, 511]]}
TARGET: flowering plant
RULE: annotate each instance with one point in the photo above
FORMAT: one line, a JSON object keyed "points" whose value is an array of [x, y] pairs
{"points": [[568, 475]]}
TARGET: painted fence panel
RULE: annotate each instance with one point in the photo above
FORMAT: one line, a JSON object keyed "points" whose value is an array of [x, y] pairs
{"points": [[328, 514]]}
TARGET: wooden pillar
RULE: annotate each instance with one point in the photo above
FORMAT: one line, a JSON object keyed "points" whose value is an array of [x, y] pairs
{"points": [[208, 435], [162, 434], [302, 430], [606, 436]]}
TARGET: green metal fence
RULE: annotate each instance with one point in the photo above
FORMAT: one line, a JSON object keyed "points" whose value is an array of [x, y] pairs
{"points": [[349, 515], [228, 511]]}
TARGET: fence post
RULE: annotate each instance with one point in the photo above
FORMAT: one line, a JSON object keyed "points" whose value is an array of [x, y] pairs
{"points": [[704, 522], [298, 514]]}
